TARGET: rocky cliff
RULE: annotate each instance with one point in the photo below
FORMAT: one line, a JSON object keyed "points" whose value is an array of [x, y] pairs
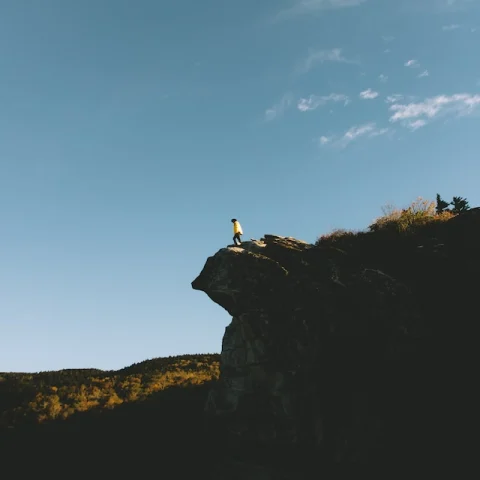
{"points": [[337, 354]]}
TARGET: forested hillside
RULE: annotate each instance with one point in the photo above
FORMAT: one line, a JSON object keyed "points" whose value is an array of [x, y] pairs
{"points": [[27, 399]]}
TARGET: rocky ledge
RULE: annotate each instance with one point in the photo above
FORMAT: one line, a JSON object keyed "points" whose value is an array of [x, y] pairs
{"points": [[326, 359]]}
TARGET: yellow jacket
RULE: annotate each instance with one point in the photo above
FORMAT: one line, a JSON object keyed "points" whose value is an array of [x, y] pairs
{"points": [[237, 228]]}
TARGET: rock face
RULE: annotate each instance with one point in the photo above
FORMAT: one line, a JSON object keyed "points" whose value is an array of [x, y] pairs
{"points": [[326, 360]]}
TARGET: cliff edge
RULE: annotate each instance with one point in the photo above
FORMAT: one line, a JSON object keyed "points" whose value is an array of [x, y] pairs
{"points": [[330, 358]]}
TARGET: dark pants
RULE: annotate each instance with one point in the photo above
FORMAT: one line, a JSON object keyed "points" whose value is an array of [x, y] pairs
{"points": [[237, 237]]}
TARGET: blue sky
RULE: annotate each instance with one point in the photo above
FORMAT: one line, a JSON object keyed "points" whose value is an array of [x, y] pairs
{"points": [[131, 132]]}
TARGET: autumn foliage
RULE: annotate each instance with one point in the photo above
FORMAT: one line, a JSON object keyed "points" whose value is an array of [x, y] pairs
{"points": [[40, 397]]}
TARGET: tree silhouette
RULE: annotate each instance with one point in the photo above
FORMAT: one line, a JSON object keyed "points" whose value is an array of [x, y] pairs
{"points": [[460, 205], [441, 204]]}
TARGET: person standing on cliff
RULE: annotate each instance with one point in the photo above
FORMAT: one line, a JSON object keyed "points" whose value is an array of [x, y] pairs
{"points": [[237, 231]]}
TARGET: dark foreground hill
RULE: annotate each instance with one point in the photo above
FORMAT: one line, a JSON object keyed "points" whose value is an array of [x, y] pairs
{"points": [[155, 425]]}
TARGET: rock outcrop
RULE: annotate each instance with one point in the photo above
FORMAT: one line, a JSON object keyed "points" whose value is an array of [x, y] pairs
{"points": [[327, 358]]}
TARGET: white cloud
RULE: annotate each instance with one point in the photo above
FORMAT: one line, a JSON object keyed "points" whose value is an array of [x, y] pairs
{"points": [[416, 124], [398, 97], [416, 115], [315, 101], [383, 78], [321, 56], [367, 130], [395, 98], [380, 131], [454, 5], [388, 38], [306, 7], [279, 108], [387, 50], [424, 74], [440, 6], [449, 28], [412, 64], [358, 131], [368, 94]]}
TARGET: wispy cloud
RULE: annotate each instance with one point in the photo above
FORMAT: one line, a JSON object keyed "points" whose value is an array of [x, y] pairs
{"points": [[454, 5], [441, 6], [315, 57], [368, 94], [315, 101], [412, 63], [399, 97], [388, 38], [379, 131], [416, 115], [279, 108], [395, 98], [424, 74], [416, 124], [449, 28], [367, 130], [383, 78], [306, 7]]}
